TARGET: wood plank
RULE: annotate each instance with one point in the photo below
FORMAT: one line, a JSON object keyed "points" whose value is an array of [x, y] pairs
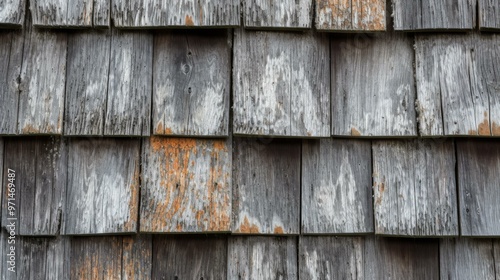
{"points": [[87, 82], [356, 15], [281, 84], [189, 257], [2, 183], [283, 14], [458, 89], [414, 188], [11, 51], [103, 186], [96, 257], [191, 83], [489, 15], [373, 85], [128, 111], [336, 187], [177, 13], [496, 256], [12, 13], [467, 258], [40, 165], [258, 257], [137, 257], [186, 185], [102, 13], [65, 13], [266, 189], [478, 181]]}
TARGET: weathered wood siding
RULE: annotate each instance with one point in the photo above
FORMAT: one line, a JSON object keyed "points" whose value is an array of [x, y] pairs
{"points": [[478, 181], [2, 182], [186, 185], [458, 87], [137, 258], [489, 15], [12, 13], [258, 257], [96, 258], [66, 13], [414, 188], [373, 86], [191, 83], [278, 14], [357, 15], [103, 186], [266, 188], [336, 187], [281, 84]]}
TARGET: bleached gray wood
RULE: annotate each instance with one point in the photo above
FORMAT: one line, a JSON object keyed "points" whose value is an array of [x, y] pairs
{"points": [[266, 188], [489, 15], [12, 13], [102, 13], [11, 51], [128, 110], [96, 257], [356, 15], [40, 165], [262, 257], [414, 188], [457, 81], [70, 14], [186, 185], [42, 81], [191, 83], [336, 187], [103, 186], [189, 257], [1, 182], [467, 258], [137, 257], [87, 82], [278, 14], [373, 86], [176, 13], [434, 14], [478, 181], [281, 84]]}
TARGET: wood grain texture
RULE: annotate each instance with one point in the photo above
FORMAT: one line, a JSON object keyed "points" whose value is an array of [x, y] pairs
{"points": [[266, 189], [278, 14], [11, 51], [128, 110], [478, 181], [489, 15], [102, 13], [177, 13], [103, 186], [357, 15], [336, 187], [259, 257], [467, 258], [373, 88], [414, 188], [186, 185], [281, 84], [40, 165], [434, 14], [96, 257], [458, 87], [70, 14], [496, 256], [137, 258], [191, 83], [2, 187], [12, 13], [189, 257], [42, 81]]}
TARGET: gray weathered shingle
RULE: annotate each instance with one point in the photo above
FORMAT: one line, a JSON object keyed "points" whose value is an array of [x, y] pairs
{"points": [[12, 13], [357, 15], [278, 14]]}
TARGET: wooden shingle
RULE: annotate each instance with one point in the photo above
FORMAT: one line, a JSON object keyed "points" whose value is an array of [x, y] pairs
{"points": [[489, 14], [278, 14], [1, 176], [357, 15], [67, 13], [137, 260], [96, 257], [12, 13]]}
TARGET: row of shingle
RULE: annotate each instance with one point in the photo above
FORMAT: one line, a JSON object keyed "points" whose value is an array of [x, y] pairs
{"points": [[233, 257], [129, 83], [252, 186]]}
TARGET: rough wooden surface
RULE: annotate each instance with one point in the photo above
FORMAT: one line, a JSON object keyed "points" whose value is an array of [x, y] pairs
{"points": [[266, 188], [64, 13], [434, 14], [191, 83], [414, 188], [373, 86], [457, 81], [176, 13], [137, 257], [103, 186], [101, 13], [96, 258], [489, 14], [42, 81], [496, 256], [467, 258], [1, 183], [258, 257], [189, 257], [128, 110], [40, 166], [186, 185], [336, 187], [12, 13], [478, 181], [86, 82], [358, 15], [278, 14], [281, 84]]}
